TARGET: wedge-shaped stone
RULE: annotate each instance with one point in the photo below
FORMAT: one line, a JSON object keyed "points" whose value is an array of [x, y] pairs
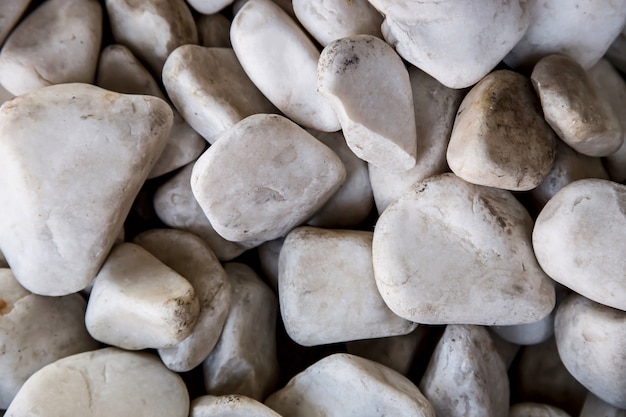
{"points": [[580, 240], [591, 339], [244, 361], [229, 406], [465, 364], [9, 15], [368, 86], [189, 256], [595, 407], [72, 159], [211, 90], [327, 289], [105, 382], [348, 386], [281, 61], [57, 43], [536, 410], [500, 138], [137, 302], [263, 177], [449, 252]]}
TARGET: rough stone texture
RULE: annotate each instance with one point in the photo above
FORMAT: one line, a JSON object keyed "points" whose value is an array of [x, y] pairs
{"points": [[466, 376], [573, 107], [579, 240], [209, 6], [327, 289], [229, 406], [137, 302], [367, 85], [282, 62], [536, 410], [583, 30], [103, 383], [68, 209], [487, 273], [595, 407], [36, 331], [213, 30], [211, 90], [591, 340], [189, 256], [527, 334], [263, 177], [500, 138], [57, 43], [268, 258], [9, 16], [244, 361], [348, 386], [456, 42]]}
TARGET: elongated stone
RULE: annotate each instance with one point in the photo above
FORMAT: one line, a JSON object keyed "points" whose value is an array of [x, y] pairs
{"points": [[9, 16], [229, 406], [69, 209], [213, 30], [594, 407], [536, 410]]}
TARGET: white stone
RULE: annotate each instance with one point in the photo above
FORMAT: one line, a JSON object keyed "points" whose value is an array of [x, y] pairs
{"points": [[176, 206], [209, 6], [137, 302], [591, 339], [57, 43], [36, 331], [595, 407], [367, 84], [151, 29], [263, 177], [189, 256], [536, 410], [213, 30], [580, 239], [466, 376], [500, 138], [286, 5], [486, 272], [9, 16], [456, 42], [527, 334], [269, 253], [435, 108], [574, 108], [353, 201], [103, 383], [244, 361], [281, 61], [329, 20], [348, 386], [211, 90], [69, 208], [583, 30], [229, 406]]}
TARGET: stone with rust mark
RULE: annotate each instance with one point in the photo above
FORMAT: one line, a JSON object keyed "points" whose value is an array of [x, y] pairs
{"points": [[229, 406]]}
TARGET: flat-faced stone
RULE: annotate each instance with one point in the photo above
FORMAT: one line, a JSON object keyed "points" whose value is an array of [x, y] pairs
{"points": [[367, 84], [9, 16], [188, 255], [465, 365], [210, 89], [229, 406], [500, 138], [244, 361], [103, 383], [263, 177], [486, 271], [68, 209], [573, 107], [348, 386], [579, 240], [536, 410], [57, 43], [137, 302], [595, 407], [591, 340], [213, 30], [282, 62]]}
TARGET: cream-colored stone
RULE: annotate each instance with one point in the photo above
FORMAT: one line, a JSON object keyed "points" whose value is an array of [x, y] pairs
{"points": [[213, 30], [536, 410], [209, 6], [286, 5], [137, 302], [9, 15], [573, 107], [103, 383], [485, 273], [229, 406], [595, 407], [72, 159], [57, 43]]}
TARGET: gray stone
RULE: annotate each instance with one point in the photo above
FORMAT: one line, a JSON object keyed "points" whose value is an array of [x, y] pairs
{"points": [[268, 258], [9, 16], [595, 407], [527, 334]]}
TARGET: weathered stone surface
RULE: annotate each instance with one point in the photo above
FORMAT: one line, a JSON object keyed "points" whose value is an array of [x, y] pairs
{"points": [[229, 406], [244, 361], [500, 138], [579, 240], [263, 177], [189, 256], [68, 209], [57, 43], [348, 386], [595, 407], [573, 107], [282, 62], [103, 383], [536, 410], [213, 30], [137, 302], [9, 16], [487, 273]]}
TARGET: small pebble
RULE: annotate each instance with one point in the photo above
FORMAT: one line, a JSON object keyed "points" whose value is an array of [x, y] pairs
{"points": [[536, 410], [229, 406]]}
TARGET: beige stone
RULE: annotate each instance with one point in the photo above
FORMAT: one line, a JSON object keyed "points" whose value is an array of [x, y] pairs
{"points": [[229, 406], [536, 410], [213, 30]]}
